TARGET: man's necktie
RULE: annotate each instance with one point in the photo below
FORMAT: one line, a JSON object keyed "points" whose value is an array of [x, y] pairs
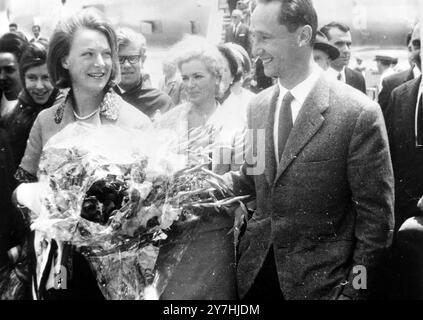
{"points": [[339, 77], [285, 122], [420, 123]]}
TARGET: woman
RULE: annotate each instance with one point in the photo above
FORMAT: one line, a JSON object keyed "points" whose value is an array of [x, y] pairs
{"points": [[37, 94], [83, 59], [232, 114], [207, 268]]}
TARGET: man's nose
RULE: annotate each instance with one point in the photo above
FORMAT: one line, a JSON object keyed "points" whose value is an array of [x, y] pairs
{"points": [[257, 50], [191, 83], [39, 84], [99, 60]]}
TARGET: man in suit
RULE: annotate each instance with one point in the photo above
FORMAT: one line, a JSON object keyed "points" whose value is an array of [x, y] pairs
{"points": [[325, 195], [404, 122], [238, 32], [339, 35], [395, 80]]}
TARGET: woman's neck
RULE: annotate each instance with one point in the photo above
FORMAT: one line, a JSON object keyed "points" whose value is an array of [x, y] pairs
{"points": [[206, 109], [236, 88], [85, 102]]}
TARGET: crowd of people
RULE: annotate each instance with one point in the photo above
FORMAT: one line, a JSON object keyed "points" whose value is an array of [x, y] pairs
{"points": [[340, 182]]}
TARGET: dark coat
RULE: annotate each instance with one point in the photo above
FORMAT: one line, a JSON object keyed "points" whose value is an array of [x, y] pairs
{"points": [[148, 101], [406, 157], [355, 79], [328, 205], [19, 122], [242, 36], [9, 220], [390, 83]]}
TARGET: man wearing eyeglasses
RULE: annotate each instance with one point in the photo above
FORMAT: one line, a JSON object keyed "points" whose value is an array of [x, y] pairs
{"points": [[404, 122], [132, 48]]}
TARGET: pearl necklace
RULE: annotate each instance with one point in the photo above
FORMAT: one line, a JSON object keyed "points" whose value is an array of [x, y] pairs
{"points": [[87, 116]]}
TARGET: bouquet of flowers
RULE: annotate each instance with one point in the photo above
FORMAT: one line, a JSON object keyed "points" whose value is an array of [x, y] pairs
{"points": [[116, 194]]}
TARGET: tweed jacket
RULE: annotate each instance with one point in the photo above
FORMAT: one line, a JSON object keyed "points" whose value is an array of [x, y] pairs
{"points": [[328, 205]]}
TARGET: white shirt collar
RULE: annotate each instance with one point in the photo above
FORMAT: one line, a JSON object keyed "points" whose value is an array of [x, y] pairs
{"points": [[416, 72], [300, 93], [334, 73]]}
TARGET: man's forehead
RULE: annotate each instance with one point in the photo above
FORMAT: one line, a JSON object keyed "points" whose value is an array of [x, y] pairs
{"points": [[131, 47], [7, 59], [338, 34]]}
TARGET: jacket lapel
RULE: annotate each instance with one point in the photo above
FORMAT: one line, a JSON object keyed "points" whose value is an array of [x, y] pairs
{"points": [[308, 122], [269, 117], [408, 112]]}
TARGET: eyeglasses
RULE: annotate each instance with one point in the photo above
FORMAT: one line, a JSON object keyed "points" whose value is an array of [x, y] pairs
{"points": [[131, 59]]}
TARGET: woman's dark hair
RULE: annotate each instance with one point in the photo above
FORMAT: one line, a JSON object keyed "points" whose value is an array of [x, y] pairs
{"points": [[230, 56], [34, 55], [13, 43], [61, 41]]}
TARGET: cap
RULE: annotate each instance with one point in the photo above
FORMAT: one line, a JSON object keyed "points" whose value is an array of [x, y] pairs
{"points": [[387, 59], [322, 43]]}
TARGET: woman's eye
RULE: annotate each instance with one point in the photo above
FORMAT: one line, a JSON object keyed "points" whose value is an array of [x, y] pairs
{"points": [[31, 78]]}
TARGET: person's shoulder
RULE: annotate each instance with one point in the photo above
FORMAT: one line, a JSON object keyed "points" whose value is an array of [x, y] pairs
{"points": [[48, 115], [156, 94], [345, 97], [173, 117], [130, 114], [396, 79], [408, 85], [354, 73], [263, 96]]}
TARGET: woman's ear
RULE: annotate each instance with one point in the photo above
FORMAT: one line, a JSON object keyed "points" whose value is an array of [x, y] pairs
{"points": [[304, 36], [65, 62]]}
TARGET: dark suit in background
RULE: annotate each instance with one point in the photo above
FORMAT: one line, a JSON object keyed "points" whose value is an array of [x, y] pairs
{"points": [[241, 36], [390, 83], [355, 79], [328, 205], [407, 159]]}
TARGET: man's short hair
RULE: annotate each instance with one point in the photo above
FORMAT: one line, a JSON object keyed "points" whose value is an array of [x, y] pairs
{"points": [[13, 43], [13, 24], [61, 41], [297, 13], [125, 36], [334, 25]]}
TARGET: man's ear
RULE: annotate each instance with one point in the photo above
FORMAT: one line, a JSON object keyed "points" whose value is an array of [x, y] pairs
{"points": [[305, 35], [65, 62]]}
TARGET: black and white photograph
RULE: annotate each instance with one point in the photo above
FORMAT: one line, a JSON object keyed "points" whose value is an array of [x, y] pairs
{"points": [[236, 152]]}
